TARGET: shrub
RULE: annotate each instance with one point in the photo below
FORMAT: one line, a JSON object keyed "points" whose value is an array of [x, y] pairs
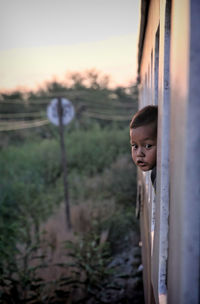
{"points": [[31, 187], [90, 152], [90, 256]]}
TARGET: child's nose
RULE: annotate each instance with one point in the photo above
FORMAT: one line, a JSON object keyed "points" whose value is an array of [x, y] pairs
{"points": [[140, 151]]}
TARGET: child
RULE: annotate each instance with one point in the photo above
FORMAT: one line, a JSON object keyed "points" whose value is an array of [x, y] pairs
{"points": [[143, 137]]}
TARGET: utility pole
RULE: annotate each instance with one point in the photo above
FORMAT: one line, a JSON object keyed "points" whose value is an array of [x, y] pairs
{"points": [[64, 162], [60, 112]]}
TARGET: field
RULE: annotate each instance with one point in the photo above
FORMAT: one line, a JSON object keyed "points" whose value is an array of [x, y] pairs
{"points": [[41, 260]]}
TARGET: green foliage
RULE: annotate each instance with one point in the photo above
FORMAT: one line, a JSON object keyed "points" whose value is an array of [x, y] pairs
{"points": [[99, 171], [27, 196], [91, 256], [117, 182], [121, 224], [89, 266], [21, 280], [120, 180], [89, 152]]}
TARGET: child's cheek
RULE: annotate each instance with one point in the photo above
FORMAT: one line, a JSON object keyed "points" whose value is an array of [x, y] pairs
{"points": [[133, 157]]}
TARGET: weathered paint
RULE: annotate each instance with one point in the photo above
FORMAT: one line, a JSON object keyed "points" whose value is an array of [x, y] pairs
{"points": [[169, 73], [185, 146]]}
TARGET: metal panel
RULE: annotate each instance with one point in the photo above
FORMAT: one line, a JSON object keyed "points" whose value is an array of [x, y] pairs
{"points": [[160, 254], [177, 250], [184, 236]]}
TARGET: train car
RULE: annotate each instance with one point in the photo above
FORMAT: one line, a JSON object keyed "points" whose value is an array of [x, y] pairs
{"points": [[169, 76]]}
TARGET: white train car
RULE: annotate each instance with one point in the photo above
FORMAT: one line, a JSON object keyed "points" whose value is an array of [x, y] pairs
{"points": [[169, 76]]}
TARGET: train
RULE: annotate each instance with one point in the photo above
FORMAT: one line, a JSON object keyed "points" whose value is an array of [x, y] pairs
{"points": [[169, 76]]}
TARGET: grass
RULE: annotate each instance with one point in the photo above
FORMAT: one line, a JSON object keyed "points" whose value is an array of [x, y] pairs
{"points": [[102, 191]]}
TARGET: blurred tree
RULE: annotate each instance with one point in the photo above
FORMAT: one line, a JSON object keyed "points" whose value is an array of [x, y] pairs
{"points": [[75, 80], [55, 87]]}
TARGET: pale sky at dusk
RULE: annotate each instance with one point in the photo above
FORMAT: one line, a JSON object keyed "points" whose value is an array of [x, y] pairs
{"points": [[42, 39]]}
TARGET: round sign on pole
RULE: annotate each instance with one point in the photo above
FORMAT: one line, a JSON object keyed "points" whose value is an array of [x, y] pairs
{"points": [[67, 111]]}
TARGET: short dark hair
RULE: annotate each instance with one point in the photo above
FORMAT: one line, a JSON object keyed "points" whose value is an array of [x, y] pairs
{"points": [[145, 116]]}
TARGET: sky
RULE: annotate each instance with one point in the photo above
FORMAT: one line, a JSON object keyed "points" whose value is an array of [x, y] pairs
{"points": [[43, 40]]}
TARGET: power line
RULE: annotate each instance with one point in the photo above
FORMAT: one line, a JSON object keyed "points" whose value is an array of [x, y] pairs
{"points": [[109, 104], [106, 117], [110, 111], [23, 125], [33, 102], [31, 114]]}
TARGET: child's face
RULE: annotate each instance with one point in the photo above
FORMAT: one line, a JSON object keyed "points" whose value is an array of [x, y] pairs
{"points": [[143, 146]]}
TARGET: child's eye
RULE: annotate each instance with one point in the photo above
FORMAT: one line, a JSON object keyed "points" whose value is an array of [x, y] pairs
{"points": [[148, 146], [134, 146]]}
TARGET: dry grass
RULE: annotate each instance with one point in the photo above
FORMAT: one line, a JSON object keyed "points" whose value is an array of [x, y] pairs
{"points": [[55, 232]]}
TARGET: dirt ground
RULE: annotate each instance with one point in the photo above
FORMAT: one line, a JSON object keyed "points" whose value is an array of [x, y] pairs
{"points": [[127, 260]]}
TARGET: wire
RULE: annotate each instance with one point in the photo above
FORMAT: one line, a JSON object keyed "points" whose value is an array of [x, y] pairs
{"points": [[110, 112], [31, 114], [24, 125], [109, 104], [33, 102], [104, 117]]}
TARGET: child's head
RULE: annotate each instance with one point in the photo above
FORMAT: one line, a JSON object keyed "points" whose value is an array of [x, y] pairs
{"points": [[143, 136]]}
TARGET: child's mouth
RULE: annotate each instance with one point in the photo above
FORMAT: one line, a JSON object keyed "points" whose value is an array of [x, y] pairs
{"points": [[140, 163]]}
